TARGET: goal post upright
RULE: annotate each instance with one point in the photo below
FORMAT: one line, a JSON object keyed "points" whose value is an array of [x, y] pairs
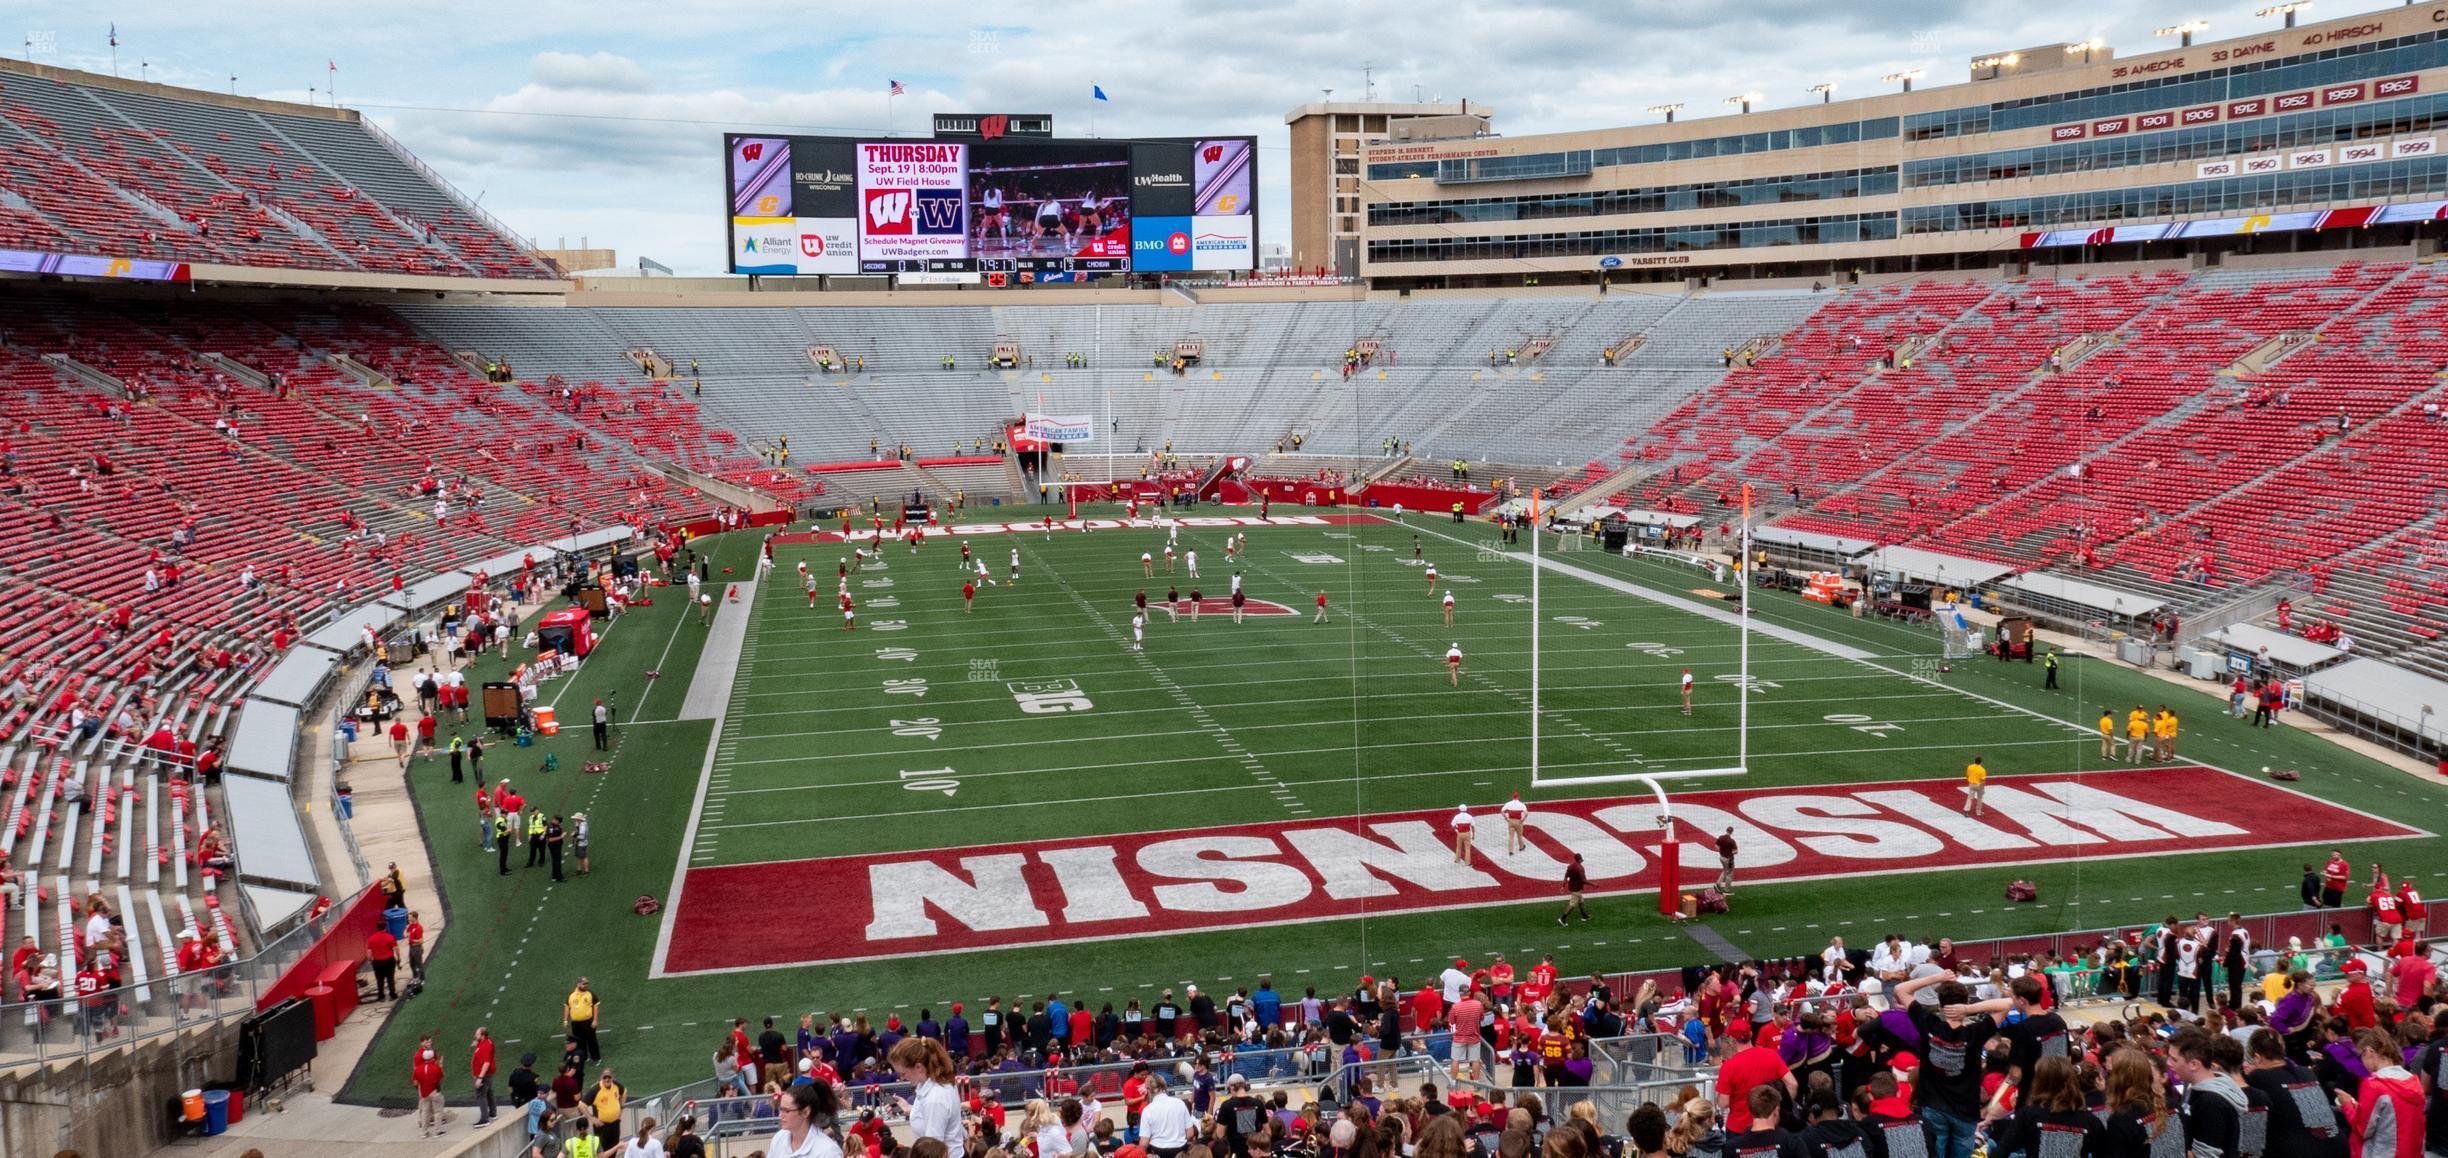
{"points": [[1742, 682]]}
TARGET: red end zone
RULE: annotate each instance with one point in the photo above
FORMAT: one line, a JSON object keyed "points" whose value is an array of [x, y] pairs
{"points": [[885, 905]]}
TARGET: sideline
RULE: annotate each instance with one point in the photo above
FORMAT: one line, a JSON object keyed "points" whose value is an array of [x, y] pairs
{"points": [[719, 713]]}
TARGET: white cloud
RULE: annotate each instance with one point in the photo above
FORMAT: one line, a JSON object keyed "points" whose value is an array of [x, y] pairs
{"points": [[598, 71]]}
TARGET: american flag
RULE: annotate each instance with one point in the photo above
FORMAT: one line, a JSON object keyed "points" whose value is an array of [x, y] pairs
{"points": [[897, 87]]}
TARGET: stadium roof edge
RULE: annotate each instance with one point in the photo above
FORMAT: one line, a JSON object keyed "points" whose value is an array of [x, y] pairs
{"points": [[174, 92], [252, 275]]}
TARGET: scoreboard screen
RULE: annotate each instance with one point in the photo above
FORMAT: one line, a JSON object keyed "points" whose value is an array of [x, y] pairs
{"points": [[835, 205]]}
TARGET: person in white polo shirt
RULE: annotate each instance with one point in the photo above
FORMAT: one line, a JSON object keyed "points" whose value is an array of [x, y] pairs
{"points": [[1164, 1127]]}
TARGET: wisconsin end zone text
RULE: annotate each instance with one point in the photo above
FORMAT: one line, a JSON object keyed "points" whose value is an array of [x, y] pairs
{"points": [[1056, 891]]}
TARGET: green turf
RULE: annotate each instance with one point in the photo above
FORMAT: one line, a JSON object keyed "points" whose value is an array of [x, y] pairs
{"points": [[821, 756]]}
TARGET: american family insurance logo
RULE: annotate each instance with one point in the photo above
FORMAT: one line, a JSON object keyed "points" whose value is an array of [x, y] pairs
{"points": [[1049, 892]]}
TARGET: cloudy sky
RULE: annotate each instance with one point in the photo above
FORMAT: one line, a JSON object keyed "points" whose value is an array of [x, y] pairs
{"points": [[603, 120]]}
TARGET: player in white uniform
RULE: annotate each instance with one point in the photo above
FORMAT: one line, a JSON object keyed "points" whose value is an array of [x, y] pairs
{"points": [[1147, 565], [1138, 629], [1190, 560], [1463, 830], [1687, 686], [1236, 583], [1432, 578], [1453, 664], [1449, 607], [981, 573], [1050, 220], [1015, 579], [994, 215], [1516, 814]]}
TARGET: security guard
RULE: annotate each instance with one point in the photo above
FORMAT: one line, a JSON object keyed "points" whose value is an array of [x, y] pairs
{"points": [[2049, 665], [501, 839], [535, 838]]}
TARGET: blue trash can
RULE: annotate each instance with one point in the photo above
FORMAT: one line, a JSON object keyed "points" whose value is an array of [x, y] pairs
{"points": [[216, 1112], [395, 921]]}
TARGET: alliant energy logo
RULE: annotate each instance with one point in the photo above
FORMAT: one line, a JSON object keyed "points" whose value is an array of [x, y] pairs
{"points": [[1075, 889]]}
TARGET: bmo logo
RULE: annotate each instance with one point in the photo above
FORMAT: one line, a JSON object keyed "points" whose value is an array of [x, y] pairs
{"points": [[1177, 243], [888, 212]]}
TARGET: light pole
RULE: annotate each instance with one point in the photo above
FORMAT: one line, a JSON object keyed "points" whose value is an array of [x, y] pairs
{"points": [[1998, 64], [2287, 10], [1744, 99], [1669, 110], [2086, 48], [2184, 32], [1826, 91], [1907, 76]]}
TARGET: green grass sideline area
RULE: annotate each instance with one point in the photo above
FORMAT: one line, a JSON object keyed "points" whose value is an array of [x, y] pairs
{"points": [[1042, 739]]}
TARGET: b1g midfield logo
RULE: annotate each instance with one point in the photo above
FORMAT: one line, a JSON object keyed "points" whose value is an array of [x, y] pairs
{"points": [[919, 212]]}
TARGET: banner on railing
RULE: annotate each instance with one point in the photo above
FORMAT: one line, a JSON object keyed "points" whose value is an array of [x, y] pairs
{"points": [[1059, 429]]}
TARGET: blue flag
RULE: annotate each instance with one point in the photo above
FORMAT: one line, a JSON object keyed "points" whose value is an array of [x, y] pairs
{"points": [[1099, 90]]}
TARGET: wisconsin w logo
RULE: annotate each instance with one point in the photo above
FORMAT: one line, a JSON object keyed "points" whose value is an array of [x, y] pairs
{"points": [[888, 207]]}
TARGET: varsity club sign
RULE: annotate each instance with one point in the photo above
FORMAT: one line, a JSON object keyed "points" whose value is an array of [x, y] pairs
{"points": [[1074, 889]]}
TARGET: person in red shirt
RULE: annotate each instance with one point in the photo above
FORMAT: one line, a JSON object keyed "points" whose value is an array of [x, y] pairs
{"points": [[426, 1074], [97, 1004], [1755, 1066], [1083, 1024], [968, 597], [416, 947], [399, 740], [481, 1067], [1468, 1045], [1134, 1100], [192, 962], [2354, 1002], [2410, 903], [1542, 981], [2333, 880], [1427, 1006], [382, 951], [425, 735]]}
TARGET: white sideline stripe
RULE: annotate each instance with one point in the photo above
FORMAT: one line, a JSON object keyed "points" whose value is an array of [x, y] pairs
{"points": [[696, 812], [718, 662]]}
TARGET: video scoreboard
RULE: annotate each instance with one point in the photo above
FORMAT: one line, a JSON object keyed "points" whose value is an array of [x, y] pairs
{"points": [[958, 205]]}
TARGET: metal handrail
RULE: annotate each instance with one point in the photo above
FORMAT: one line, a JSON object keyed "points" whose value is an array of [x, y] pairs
{"points": [[36, 1032]]}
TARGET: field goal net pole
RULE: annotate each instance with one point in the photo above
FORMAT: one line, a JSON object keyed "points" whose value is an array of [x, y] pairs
{"points": [[1743, 563]]}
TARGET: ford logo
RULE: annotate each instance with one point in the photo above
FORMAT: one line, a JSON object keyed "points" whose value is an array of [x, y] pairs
{"points": [[1609, 262]]}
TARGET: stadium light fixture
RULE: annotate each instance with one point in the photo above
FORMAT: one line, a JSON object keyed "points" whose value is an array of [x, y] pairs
{"points": [[2086, 48], [1669, 110], [2286, 10], [1744, 99], [1999, 63], [1907, 76], [2184, 31], [1826, 91]]}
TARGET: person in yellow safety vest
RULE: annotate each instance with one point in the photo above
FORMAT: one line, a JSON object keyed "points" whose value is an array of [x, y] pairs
{"points": [[1457, 510], [2137, 726], [581, 1146], [535, 838]]}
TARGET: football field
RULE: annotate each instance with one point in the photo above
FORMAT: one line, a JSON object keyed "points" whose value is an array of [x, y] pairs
{"points": [[1009, 798]]}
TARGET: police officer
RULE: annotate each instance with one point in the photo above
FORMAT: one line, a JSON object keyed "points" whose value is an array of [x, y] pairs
{"points": [[535, 838], [2049, 665]]}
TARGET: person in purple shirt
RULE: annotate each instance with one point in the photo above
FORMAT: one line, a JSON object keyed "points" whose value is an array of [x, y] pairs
{"points": [[845, 1047], [807, 1035], [956, 1034], [927, 1026]]}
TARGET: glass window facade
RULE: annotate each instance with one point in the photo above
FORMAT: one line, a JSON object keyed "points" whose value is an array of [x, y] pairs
{"points": [[2415, 53], [1667, 239], [1812, 136], [2415, 179], [1660, 199], [2258, 135]]}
